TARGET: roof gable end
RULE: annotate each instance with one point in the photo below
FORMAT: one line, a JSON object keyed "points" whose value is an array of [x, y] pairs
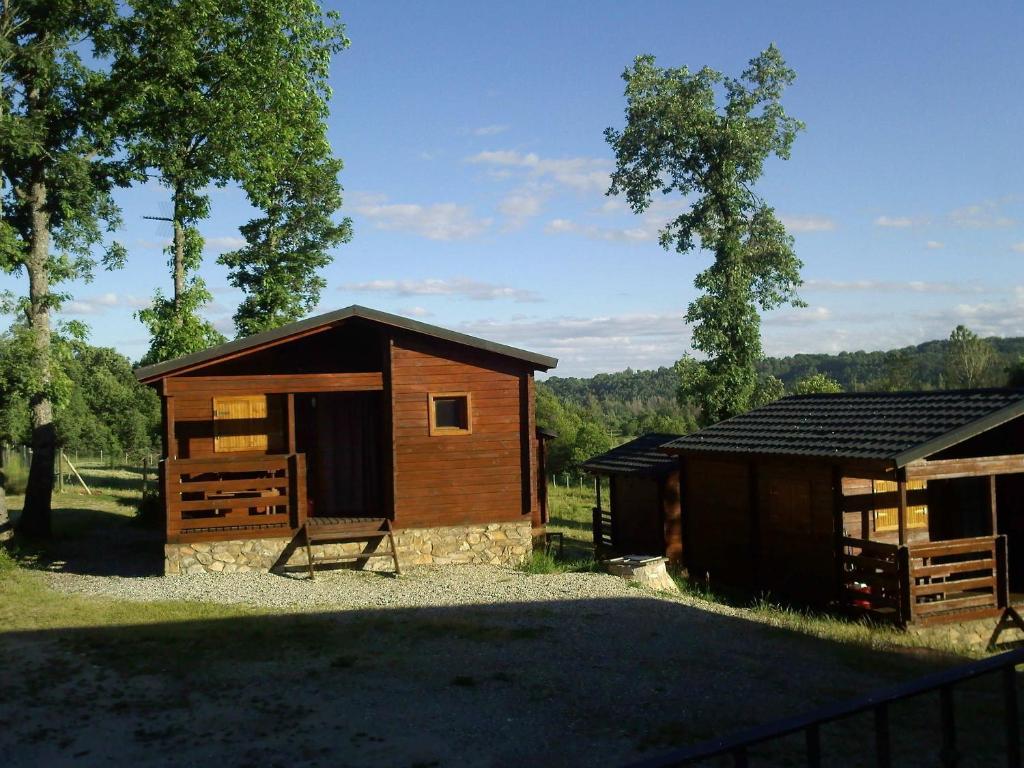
{"points": [[150, 373]]}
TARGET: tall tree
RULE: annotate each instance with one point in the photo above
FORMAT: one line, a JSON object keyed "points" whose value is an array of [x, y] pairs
{"points": [[969, 359], [678, 139], [211, 84], [57, 144], [278, 269]]}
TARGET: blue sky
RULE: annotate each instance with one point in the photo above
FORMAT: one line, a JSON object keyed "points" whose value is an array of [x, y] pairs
{"points": [[475, 172]]}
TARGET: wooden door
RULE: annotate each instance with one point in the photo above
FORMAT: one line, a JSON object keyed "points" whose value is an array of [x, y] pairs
{"points": [[340, 433]]}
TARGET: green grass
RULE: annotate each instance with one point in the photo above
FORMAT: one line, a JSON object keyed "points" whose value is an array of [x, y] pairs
{"points": [[570, 513], [546, 562], [15, 475]]}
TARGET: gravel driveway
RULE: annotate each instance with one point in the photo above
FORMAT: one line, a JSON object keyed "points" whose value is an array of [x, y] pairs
{"points": [[346, 589], [456, 666]]}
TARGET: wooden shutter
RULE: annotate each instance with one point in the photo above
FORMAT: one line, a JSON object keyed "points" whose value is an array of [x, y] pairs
{"points": [[887, 518], [230, 432]]}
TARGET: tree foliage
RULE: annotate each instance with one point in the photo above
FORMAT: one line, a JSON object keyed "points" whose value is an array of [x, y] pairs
{"points": [[678, 139], [59, 161], [221, 91], [278, 269], [104, 409], [969, 359], [817, 384]]}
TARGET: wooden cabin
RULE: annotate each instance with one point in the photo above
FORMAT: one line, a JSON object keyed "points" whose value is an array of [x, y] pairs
{"points": [[642, 514], [908, 506], [352, 415]]}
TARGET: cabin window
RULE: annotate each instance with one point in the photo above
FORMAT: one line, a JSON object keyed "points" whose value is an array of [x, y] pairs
{"points": [[887, 518], [451, 413], [240, 423]]}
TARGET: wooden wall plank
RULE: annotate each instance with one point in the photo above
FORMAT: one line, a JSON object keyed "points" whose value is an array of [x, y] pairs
{"points": [[274, 384], [463, 478]]}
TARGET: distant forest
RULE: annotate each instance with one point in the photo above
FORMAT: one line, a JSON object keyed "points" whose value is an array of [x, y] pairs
{"points": [[593, 414]]}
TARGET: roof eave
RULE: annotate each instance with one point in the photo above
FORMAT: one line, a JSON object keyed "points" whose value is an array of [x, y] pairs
{"points": [[958, 435]]}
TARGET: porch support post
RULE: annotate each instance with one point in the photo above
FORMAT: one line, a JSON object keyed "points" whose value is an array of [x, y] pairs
{"points": [[901, 488], [597, 491], [838, 528], [992, 504], [170, 441], [291, 422]]}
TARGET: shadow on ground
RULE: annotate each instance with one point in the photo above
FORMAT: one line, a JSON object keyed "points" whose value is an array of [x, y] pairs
{"points": [[562, 683], [96, 542]]}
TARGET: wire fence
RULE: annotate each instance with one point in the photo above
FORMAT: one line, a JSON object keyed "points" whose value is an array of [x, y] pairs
{"points": [[69, 463]]}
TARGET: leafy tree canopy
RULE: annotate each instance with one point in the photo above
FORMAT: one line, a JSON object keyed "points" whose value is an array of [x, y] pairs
{"points": [[679, 139]]}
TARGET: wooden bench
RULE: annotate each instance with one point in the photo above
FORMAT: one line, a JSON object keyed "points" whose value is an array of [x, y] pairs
{"points": [[339, 529]]}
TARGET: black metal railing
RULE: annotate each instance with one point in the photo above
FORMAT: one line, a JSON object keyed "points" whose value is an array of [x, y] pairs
{"points": [[739, 745]]}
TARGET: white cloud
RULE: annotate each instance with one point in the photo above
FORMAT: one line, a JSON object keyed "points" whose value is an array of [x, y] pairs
{"points": [[897, 222], [1004, 317], [986, 215], [1018, 247], [459, 287], [587, 345], [225, 242], [99, 304], [809, 223], [438, 221], [520, 206], [584, 174], [644, 231], [884, 286], [416, 312], [799, 316], [934, 245], [153, 244], [489, 130]]}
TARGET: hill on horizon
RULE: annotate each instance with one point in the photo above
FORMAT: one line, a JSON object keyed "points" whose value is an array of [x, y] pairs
{"points": [[914, 367]]}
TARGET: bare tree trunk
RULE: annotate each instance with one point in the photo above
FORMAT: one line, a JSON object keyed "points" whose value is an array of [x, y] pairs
{"points": [[35, 517]]}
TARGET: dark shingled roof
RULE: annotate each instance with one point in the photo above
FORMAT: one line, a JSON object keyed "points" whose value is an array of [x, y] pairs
{"points": [[152, 372], [637, 457], [899, 426]]}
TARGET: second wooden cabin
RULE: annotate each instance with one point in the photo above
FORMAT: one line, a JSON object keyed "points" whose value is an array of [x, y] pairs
{"points": [[908, 506]]}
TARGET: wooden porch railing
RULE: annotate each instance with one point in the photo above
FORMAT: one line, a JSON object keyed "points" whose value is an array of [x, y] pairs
{"points": [[601, 527], [958, 579], [234, 496], [872, 578], [925, 583]]}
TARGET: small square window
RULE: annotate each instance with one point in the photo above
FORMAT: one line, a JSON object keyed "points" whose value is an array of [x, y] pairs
{"points": [[450, 413]]}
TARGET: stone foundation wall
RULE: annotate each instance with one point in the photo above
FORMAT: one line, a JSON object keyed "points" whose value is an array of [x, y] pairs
{"points": [[495, 544], [965, 633]]}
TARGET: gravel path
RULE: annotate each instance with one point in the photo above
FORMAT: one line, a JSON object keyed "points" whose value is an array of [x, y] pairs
{"points": [[434, 586]]}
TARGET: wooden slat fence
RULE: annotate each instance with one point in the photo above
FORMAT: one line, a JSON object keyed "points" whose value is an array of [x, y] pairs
{"points": [[231, 496], [872, 578], [958, 580], [601, 525]]}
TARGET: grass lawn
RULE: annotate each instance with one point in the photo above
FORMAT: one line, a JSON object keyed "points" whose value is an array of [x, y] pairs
{"points": [[96, 681]]}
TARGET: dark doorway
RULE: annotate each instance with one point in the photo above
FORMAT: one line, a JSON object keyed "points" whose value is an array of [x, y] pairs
{"points": [[1010, 512], [340, 433]]}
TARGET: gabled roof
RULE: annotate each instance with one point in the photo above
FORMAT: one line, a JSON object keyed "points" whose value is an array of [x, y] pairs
{"points": [[896, 427], [637, 457], [159, 370]]}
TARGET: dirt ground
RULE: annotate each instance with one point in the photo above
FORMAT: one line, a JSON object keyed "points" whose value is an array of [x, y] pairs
{"points": [[592, 680], [595, 682]]}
